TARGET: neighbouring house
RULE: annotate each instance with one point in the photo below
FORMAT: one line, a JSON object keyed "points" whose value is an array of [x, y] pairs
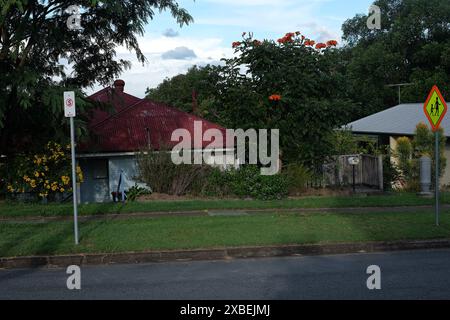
{"points": [[119, 135], [399, 121]]}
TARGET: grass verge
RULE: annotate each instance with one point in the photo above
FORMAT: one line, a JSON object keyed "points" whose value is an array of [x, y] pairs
{"points": [[107, 236], [395, 199]]}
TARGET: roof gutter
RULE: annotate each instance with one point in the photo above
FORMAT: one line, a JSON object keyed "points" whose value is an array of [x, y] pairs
{"points": [[131, 154]]}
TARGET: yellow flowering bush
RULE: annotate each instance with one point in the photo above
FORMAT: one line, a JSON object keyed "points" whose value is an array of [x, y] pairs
{"points": [[43, 175]]}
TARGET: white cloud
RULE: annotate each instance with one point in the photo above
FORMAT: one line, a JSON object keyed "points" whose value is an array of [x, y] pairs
{"points": [[264, 17], [152, 73], [170, 33], [179, 53], [320, 33]]}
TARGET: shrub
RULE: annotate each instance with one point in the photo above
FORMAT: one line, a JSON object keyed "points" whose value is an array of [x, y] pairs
{"points": [[163, 176], [271, 187], [405, 162], [298, 177], [134, 192], [244, 182], [215, 183], [44, 175], [409, 152], [391, 173]]}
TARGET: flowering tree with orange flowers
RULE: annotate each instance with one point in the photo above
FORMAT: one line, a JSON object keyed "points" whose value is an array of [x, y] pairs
{"points": [[293, 84]]}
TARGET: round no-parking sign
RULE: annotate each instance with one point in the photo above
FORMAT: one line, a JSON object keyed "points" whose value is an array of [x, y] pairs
{"points": [[69, 104]]}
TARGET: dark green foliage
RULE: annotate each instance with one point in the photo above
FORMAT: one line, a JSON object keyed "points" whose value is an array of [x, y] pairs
{"points": [[163, 176], [135, 192], [298, 178], [246, 182], [346, 143], [412, 47], [310, 83], [313, 96], [408, 154], [215, 183], [34, 39], [391, 173], [180, 91]]}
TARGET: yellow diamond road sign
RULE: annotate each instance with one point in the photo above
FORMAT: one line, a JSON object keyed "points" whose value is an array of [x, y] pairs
{"points": [[435, 108]]}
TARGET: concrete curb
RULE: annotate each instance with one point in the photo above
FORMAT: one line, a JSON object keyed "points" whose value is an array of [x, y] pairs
{"points": [[217, 254]]}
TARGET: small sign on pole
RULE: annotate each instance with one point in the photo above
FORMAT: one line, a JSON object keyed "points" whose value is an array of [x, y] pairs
{"points": [[353, 161], [70, 112], [69, 104], [435, 109]]}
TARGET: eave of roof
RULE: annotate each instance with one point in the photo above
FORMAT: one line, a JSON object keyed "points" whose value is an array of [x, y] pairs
{"points": [[399, 120]]}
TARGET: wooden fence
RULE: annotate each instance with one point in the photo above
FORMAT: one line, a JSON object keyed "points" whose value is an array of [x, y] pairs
{"points": [[369, 171]]}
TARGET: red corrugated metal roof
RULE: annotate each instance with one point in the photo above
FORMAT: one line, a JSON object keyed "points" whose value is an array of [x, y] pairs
{"points": [[134, 121], [118, 99]]}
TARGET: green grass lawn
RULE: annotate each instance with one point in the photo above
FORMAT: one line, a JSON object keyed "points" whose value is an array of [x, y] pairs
{"points": [[395, 199], [139, 234]]}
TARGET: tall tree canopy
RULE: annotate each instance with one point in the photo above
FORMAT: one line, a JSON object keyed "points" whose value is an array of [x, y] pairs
{"points": [[198, 84], [413, 46], [35, 42], [292, 84]]}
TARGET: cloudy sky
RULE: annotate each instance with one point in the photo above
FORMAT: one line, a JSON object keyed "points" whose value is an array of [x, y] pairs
{"points": [[171, 50]]}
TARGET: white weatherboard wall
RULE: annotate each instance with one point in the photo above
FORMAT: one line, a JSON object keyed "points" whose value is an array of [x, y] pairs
{"points": [[130, 172]]}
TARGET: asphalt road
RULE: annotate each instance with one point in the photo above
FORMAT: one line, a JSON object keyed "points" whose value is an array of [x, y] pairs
{"points": [[404, 275]]}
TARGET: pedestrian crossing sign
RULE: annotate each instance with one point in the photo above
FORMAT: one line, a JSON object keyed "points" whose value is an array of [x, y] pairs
{"points": [[435, 108]]}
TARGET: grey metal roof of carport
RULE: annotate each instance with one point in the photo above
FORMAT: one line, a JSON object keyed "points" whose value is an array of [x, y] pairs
{"points": [[398, 120]]}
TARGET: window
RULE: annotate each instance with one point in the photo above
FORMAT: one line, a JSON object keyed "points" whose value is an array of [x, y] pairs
{"points": [[100, 169]]}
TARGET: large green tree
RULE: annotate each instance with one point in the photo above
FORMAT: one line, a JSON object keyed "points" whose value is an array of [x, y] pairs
{"points": [[413, 46], [291, 84], [36, 43], [184, 91]]}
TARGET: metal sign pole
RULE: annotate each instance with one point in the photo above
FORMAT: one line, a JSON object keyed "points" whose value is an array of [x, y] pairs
{"points": [[437, 177], [354, 180], [74, 180], [435, 109]]}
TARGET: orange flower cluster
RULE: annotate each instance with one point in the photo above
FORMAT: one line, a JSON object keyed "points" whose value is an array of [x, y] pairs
{"points": [[288, 37], [332, 43], [321, 46], [275, 97], [309, 43]]}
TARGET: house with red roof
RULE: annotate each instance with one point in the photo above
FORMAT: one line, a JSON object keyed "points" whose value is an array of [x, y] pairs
{"points": [[119, 135]]}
